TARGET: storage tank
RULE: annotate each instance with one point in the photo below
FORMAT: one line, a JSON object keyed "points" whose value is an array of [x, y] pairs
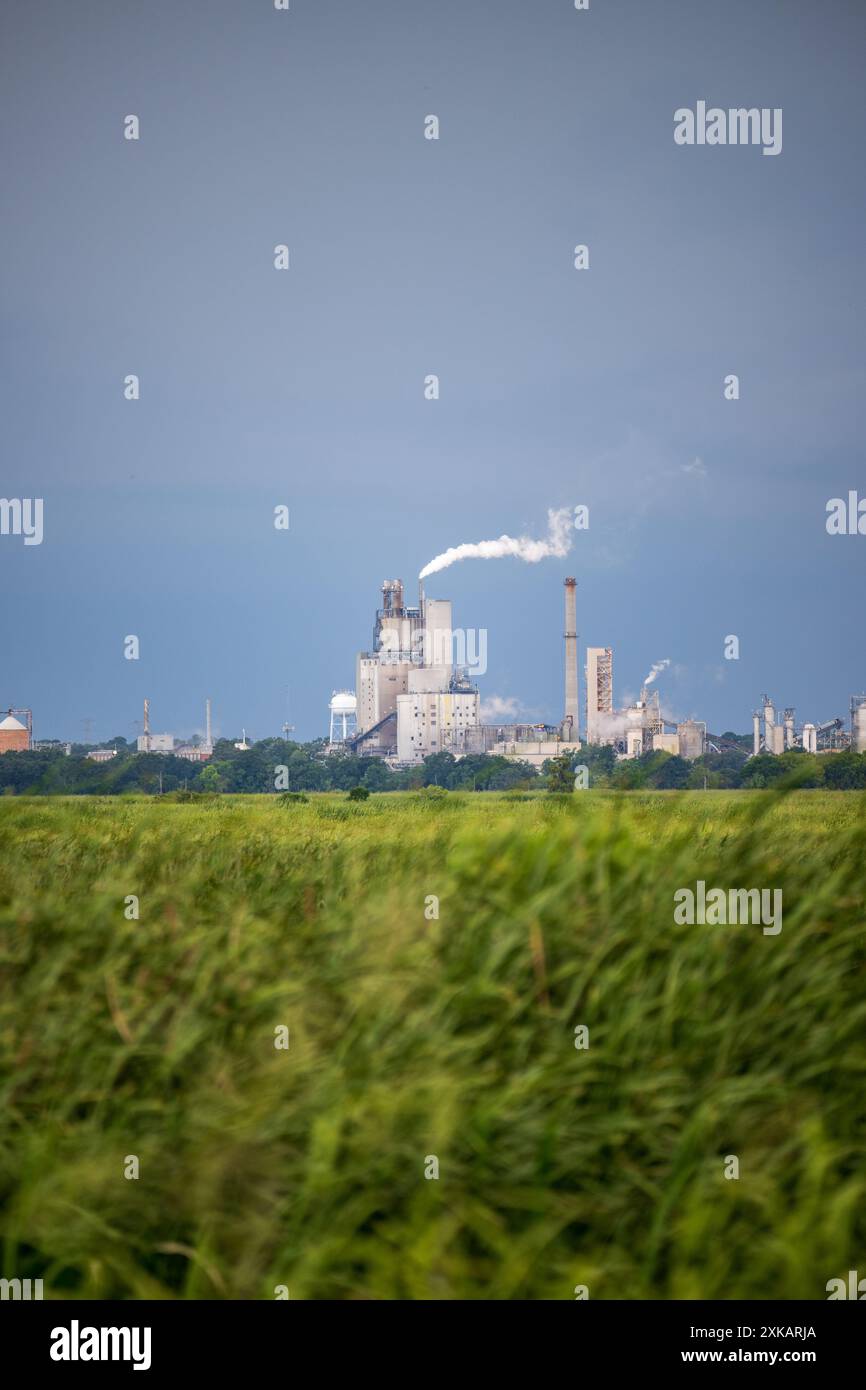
{"points": [[859, 730], [810, 738], [343, 709], [14, 736], [692, 737]]}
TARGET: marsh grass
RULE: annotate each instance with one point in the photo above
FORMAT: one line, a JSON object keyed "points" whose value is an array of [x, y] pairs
{"points": [[452, 1037]]}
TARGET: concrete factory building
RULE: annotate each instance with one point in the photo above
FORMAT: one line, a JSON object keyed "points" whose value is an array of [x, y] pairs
{"points": [[153, 743], [413, 699], [599, 693], [692, 738], [415, 696]]}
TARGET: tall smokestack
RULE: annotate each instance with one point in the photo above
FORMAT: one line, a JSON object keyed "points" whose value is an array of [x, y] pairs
{"points": [[572, 709], [208, 738], [756, 734]]}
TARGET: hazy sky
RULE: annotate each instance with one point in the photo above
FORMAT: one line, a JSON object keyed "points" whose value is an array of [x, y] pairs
{"points": [[408, 257]]}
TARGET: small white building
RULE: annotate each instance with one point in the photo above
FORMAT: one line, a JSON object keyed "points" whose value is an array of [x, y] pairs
{"points": [[156, 743]]}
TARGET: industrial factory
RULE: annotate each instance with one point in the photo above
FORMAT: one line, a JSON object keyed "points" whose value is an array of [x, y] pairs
{"points": [[415, 696], [413, 699], [640, 728], [773, 735], [149, 742]]}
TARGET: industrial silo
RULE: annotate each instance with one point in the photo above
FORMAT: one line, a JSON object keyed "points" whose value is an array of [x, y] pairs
{"points": [[14, 736], [692, 739]]}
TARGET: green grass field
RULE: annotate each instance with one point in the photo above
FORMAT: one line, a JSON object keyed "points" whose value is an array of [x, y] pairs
{"points": [[413, 1037]]}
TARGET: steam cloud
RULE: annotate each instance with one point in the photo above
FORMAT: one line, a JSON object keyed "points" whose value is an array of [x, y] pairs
{"points": [[613, 725], [656, 670], [500, 709], [558, 543]]}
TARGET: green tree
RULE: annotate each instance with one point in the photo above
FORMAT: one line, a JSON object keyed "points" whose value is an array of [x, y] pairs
{"points": [[441, 769], [560, 773], [629, 775], [672, 774], [378, 777], [208, 779], [845, 771]]}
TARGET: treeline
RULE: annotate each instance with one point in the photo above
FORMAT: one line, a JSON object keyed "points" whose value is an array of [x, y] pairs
{"points": [[274, 764], [730, 770]]}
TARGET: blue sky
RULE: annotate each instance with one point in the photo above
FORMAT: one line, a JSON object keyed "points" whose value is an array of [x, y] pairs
{"points": [[409, 257]]}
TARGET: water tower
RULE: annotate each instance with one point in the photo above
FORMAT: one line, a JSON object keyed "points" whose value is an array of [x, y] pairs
{"points": [[344, 715]]}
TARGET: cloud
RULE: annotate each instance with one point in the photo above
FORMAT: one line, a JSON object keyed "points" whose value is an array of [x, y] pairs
{"points": [[697, 468]]}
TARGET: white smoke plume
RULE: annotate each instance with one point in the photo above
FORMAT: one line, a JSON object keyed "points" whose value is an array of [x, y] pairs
{"points": [[558, 543], [500, 709], [611, 726], [656, 670]]}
